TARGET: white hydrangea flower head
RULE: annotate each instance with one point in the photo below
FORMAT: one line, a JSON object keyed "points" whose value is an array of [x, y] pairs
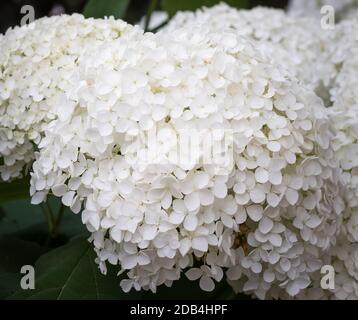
{"points": [[36, 61], [342, 50], [344, 114], [345, 263], [266, 218], [346, 146], [339, 47], [344, 260], [296, 43], [343, 8]]}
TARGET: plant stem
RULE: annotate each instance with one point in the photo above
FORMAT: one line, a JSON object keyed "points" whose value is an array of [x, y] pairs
{"points": [[46, 209], [58, 221], [151, 8], [52, 222]]}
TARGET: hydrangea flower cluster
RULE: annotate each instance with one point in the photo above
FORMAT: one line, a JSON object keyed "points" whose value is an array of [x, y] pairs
{"points": [[280, 198], [343, 258], [103, 107], [296, 43], [345, 262], [327, 65], [344, 113], [340, 65], [36, 61], [345, 117], [346, 146]]}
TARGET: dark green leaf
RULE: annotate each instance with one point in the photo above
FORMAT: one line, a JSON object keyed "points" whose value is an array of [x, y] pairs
{"points": [[14, 254], [28, 222], [172, 6], [69, 272], [102, 8], [2, 214], [17, 189], [72, 226], [9, 283], [19, 215]]}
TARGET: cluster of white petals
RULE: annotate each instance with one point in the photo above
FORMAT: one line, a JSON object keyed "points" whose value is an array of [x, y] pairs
{"points": [[346, 147], [36, 61], [344, 260], [345, 263], [340, 65], [296, 43], [341, 47], [82, 98], [344, 114], [266, 219], [325, 61]]}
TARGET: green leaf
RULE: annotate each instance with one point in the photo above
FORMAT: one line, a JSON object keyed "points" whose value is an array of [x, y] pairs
{"points": [[17, 189], [14, 254], [102, 8], [27, 221], [172, 6], [72, 226], [2, 214], [19, 215], [69, 272]]}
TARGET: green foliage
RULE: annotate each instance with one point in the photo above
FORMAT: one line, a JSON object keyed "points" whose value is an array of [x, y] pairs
{"points": [[19, 215], [14, 254], [27, 221], [101, 8], [17, 189], [172, 6], [70, 272]]}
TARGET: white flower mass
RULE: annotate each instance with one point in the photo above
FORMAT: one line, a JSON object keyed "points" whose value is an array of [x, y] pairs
{"points": [[81, 100], [36, 61], [296, 43]]}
